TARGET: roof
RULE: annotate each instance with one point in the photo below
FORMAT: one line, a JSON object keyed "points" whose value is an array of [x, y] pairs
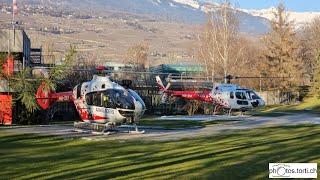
{"points": [[116, 64], [15, 39], [180, 68]]}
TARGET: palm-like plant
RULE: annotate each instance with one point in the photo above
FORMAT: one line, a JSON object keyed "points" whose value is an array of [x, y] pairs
{"points": [[3, 57], [59, 72], [25, 86], [25, 89]]}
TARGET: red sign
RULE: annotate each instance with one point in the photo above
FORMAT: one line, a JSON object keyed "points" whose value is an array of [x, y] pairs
{"points": [[5, 109], [8, 66]]}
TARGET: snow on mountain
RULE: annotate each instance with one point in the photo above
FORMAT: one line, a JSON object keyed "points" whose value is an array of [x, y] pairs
{"points": [[192, 3], [248, 23], [303, 18], [265, 13], [299, 18], [182, 11]]}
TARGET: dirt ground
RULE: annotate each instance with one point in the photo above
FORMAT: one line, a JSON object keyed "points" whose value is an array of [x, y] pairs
{"points": [[161, 134]]}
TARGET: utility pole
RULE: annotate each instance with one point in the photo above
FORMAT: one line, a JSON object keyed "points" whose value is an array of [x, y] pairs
{"points": [[14, 11], [260, 83]]}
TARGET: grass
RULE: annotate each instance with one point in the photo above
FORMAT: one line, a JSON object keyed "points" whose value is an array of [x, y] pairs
{"points": [[179, 124], [310, 105], [241, 155], [174, 124], [167, 124]]}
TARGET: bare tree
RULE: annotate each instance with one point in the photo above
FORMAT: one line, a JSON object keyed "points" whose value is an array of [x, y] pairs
{"points": [[219, 48], [48, 54], [83, 68], [192, 107], [137, 56], [248, 62]]}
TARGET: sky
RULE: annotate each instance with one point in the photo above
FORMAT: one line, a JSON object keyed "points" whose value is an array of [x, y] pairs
{"points": [[292, 5]]}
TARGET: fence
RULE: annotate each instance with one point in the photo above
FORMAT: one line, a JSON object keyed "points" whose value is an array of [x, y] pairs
{"points": [[278, 97]]}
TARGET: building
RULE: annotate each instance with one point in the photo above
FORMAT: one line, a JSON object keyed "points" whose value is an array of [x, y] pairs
{"points": [[118, 66], [181, 68], [18, 45], [183, 75]]}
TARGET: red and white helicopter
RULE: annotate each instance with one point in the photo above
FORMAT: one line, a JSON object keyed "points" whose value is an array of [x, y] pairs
{"points": [[98, 102], [224, 96]]}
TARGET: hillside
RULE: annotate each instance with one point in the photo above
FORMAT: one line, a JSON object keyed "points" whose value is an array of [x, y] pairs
{"points": [[181, 11]]}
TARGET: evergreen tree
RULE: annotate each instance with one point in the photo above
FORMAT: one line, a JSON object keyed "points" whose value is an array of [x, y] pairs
{"points": [[311, 45], [316, 76], [281, 52]]}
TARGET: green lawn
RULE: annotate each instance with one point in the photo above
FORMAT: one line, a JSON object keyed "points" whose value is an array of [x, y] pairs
{"points": [[167, 124], [170, 124], [179, 124], [309, 105], [243, 154]]}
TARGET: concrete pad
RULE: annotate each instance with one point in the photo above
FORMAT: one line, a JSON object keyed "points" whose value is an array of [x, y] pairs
{"points": [[204, 118]]}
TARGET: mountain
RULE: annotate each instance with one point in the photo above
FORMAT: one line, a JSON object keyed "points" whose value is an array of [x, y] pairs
{"points": [[185, 11], [299, 18]]}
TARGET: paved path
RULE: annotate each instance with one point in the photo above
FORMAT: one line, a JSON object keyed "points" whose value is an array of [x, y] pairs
{"points": [[245, 123]]}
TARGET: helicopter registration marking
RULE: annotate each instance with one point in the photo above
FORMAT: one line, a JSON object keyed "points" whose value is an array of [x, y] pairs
{"points": [[111, 111]]}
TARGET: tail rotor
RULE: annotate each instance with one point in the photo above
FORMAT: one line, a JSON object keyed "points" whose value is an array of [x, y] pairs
{"points": [[163, 89], [43, 97]]}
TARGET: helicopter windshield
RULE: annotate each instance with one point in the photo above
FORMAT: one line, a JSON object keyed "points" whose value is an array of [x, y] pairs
{"points": [[137, 98], [252, 95], [111, 98], [114, 98]]}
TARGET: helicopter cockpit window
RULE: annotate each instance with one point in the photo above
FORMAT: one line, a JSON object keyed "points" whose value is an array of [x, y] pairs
{"points": [[232, 95], [89, 99], [252, 95], [107, 101], [78, 91], [242, 103], [241, 95], [94, 99], [113, 98], [97, 99]]}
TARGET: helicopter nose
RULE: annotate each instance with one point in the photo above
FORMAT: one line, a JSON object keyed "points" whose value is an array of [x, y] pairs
{"points": [[262, 103], [255, 104], [258, 103]]}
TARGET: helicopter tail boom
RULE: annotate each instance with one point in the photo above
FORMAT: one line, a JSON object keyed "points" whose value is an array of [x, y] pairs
{"points": [[46, 97], [161, 86]]}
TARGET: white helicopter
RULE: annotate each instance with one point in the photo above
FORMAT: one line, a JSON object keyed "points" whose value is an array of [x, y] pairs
{"points": [[101, 104], [224, 96]]}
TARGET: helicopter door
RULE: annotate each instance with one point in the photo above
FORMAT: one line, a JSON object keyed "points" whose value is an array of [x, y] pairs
{"points": [[255, 100], [232, 99], [78, 91], [241, 98], [231, 95]]}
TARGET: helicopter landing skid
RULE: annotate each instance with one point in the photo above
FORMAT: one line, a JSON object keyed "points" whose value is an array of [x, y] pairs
{"points": [[94, 128], [102, 129], [136, 131]]}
